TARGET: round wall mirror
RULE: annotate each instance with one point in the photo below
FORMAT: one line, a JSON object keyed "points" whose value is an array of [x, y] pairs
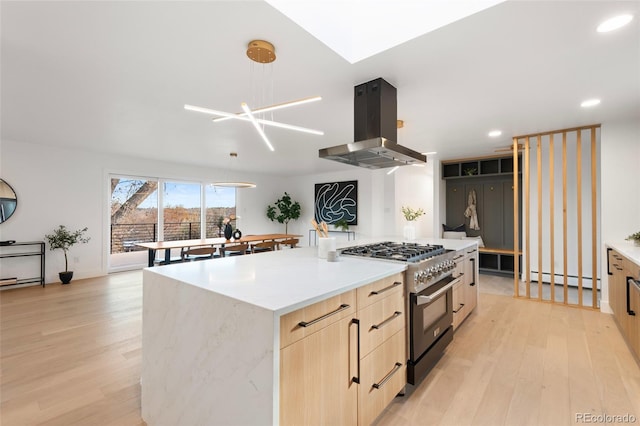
{"points": [[8, 201]]}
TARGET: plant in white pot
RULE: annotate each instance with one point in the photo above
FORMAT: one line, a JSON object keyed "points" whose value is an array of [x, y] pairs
{"points": [[64, 239], [411, 216], [635, 238]]}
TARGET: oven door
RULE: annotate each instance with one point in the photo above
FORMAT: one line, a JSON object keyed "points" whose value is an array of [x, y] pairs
{"points": [[431, 313]]}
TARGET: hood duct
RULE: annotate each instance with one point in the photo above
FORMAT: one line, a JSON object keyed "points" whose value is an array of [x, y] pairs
{"points": [[375, 131]]}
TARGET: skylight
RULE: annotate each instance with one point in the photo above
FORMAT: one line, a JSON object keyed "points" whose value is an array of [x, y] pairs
{"points": [[358, 29]]}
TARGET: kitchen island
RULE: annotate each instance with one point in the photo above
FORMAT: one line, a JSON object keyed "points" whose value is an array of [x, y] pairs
{"points": [[210, 334], [211, 330]]}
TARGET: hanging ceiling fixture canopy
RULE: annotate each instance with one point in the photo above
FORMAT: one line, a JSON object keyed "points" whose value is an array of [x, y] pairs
{"points": [[234, 184], [262, 52]]}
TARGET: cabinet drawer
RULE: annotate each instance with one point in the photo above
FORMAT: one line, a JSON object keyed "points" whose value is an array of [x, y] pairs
{"points": [[380, 289], [380, 321], [383, 375], [303, 322], [459, 308]]}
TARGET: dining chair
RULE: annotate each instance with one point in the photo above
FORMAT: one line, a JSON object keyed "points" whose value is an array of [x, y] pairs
{"points": [[264, 246], [292, 242], [235, 250], [198, 253]]}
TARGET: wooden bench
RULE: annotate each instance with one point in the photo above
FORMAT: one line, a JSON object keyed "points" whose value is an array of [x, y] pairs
{"points": [[497, 261]]}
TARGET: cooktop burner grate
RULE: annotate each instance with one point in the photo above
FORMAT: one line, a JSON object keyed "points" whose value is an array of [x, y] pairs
{"points": [[402, 252]]}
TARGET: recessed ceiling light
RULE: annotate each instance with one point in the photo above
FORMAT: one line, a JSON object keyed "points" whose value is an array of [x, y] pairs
{"points": [[590, 103], [614, 23], [495, 133], [429, 153]]}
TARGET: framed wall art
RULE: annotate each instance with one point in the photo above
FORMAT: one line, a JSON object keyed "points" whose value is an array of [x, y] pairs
{"points": [[335, 201]]}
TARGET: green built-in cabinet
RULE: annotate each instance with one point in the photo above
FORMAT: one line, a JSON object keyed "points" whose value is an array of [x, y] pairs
{"points": [[492, 180]]}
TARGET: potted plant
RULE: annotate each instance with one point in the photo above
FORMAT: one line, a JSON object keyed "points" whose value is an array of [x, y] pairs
{"points": [[635, 238], [62, 238], [284, 210], [411, 216], [342, 224]]}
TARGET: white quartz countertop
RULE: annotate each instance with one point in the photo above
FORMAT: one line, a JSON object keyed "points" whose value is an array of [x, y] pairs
{"points": [[627, 249], [289, 279], [280, 281]]}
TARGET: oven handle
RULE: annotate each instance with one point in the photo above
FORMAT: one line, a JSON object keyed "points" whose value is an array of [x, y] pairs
{"points": [[428, 299]]}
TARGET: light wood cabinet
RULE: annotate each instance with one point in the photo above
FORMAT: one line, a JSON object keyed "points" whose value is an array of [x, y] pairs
{"points": [[632, 271], [349, 362], [625, 305], [617, 289], [459, 311], [470, 280], [316, 317], [465, 293], [316, 386], [383, 375]]}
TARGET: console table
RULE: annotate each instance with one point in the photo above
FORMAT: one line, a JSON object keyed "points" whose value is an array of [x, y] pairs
{"points": [[312, 233], [23, 249]]}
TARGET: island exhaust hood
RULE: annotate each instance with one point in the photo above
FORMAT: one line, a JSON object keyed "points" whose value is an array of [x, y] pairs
{"points": [[375, 131]]}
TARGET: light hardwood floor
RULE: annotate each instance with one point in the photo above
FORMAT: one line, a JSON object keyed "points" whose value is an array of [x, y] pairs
{"points": [[70, 355]]}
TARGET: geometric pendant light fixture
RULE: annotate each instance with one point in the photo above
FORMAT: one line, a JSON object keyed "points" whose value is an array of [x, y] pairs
{"points": [[262, 52]]}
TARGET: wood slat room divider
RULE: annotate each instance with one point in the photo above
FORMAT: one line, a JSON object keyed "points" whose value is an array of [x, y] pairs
{"points": [[544, 179]]}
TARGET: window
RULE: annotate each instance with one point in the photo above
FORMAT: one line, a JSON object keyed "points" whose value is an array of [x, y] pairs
{"points": [[134, 213], [221, 203], [181, 211]]}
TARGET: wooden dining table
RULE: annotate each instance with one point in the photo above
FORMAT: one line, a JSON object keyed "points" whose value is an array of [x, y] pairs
{"points": [[152, 247]]}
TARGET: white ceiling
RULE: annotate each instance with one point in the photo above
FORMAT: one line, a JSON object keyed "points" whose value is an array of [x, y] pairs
{"points": [[114, 77]]}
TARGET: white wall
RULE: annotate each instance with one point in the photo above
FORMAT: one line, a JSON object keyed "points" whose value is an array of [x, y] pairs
{"points": [[70, 187], [620, 181]]}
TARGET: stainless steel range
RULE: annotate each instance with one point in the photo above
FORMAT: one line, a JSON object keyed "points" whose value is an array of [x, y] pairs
{"points": [[430, 284]]}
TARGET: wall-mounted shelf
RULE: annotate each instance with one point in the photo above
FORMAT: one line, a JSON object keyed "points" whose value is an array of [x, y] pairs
{"points": [[486, 166], [23, 249]]}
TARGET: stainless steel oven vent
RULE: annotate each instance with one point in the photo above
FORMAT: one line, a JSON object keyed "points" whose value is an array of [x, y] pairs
{"points": [[375, 131]]}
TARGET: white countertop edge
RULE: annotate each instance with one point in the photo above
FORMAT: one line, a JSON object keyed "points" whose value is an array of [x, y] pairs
{"points": [[627, 249]]}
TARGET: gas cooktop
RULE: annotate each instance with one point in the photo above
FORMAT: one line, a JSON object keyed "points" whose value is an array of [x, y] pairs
{"points": [[401, 252]]}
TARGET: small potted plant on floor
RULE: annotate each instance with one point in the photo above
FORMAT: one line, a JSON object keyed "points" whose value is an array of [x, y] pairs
{"points": [[635, 238], [62, 238]]}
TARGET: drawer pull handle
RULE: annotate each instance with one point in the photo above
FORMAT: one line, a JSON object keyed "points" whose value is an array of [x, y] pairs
{"points": [[356, 379], [395, 315], [395, 284], [325, 316], [630, 282], [386, 378], [458, 257], [460, 307]]}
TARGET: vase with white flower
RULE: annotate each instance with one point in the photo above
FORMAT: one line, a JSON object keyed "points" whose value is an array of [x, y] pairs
{"points": [[411, 216]]}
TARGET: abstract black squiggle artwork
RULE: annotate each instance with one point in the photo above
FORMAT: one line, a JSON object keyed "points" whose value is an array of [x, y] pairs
{"points": [[337, 200]]}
